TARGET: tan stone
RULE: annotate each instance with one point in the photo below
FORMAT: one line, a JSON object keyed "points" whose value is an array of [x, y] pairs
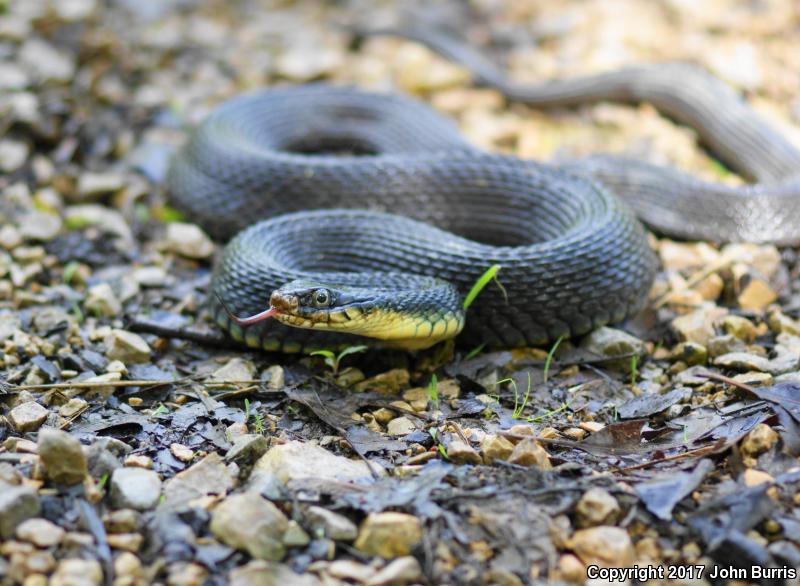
{"points": [[698, 326], [462, 453], [596, 507], [605, 546], [389, 534], [682, 255], [591, 426], [753, 477], [572, 569], [740, 327], [760, 439], [529, 452], [400, 426], [711, 287], [496, 447]]}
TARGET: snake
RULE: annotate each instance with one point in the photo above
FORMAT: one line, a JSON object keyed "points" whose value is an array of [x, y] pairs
{"points": [[359, 217]]}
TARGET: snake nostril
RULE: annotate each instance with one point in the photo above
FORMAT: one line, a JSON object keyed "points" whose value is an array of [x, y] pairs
{"points": [[283, 302]]}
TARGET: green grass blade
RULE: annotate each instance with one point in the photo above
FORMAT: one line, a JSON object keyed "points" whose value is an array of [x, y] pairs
{"points": [[550, 357], [433, 392], [480, 284], [475, 351], [351, 350]]}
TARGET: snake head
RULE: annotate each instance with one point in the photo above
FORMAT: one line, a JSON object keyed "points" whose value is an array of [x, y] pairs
{"points": [[307, 304], [408, 311], [426, 311]]}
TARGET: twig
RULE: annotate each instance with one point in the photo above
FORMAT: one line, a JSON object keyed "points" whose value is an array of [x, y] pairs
{"points": [[214, 339], [460, 433], [727, 380], [695, 453], [126, 383]]}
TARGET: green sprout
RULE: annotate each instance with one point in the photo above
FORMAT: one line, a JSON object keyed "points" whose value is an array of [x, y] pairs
{"points": [[259, 425], [547, 414], [333, 360], [76, 310], [433, 392], [159, 410], [434, 434], [70, 270], [634, 369], [519, 407], [550, 356], [168, 214], [475, 351], [483, 280]]}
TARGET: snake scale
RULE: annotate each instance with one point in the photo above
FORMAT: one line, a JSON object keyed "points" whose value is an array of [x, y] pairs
{"points": [[358, 214]]}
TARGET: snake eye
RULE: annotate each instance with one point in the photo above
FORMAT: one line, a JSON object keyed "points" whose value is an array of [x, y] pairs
{"points": [[322, 298]]}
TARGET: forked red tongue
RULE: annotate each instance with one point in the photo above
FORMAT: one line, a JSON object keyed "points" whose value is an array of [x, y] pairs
{"points": [[250, 320], [253, 319]]}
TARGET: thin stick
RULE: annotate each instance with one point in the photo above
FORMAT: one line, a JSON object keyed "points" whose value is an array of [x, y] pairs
{"points": [[126, 383]]}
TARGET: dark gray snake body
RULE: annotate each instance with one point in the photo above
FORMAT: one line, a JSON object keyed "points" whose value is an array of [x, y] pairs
{"points": [[572, 255]]}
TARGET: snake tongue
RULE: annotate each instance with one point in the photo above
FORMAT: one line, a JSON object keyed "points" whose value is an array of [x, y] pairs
{"points": [[253, 319], [246, 321]]}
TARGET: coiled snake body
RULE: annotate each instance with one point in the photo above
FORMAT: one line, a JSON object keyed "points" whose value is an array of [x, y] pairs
{"points": [[377, 208]]}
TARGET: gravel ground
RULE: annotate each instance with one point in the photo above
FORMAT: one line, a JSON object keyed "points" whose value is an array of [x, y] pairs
{"points": [[132, 457]]}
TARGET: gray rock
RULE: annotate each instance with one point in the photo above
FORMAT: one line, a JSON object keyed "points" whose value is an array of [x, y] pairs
{"points": [[46, 62], [108, 220], [101, 300], [263, 573], [97, 184], [785, 360], [9, 323], [209, 476], [13, 155], [127, 347], [742, 361], [296, 461], [719, 345], [9, 237], [27, 416], [251, 523], [610, 342], [295, 535], [188, 240], [692, 376], [40, 532], [17, 504], [74, 10], [331, 525], [12, 77], [135, 488], [247, 449], [39, 226], [151, 276], [235, 370], [398, 572], [62, 456]]}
